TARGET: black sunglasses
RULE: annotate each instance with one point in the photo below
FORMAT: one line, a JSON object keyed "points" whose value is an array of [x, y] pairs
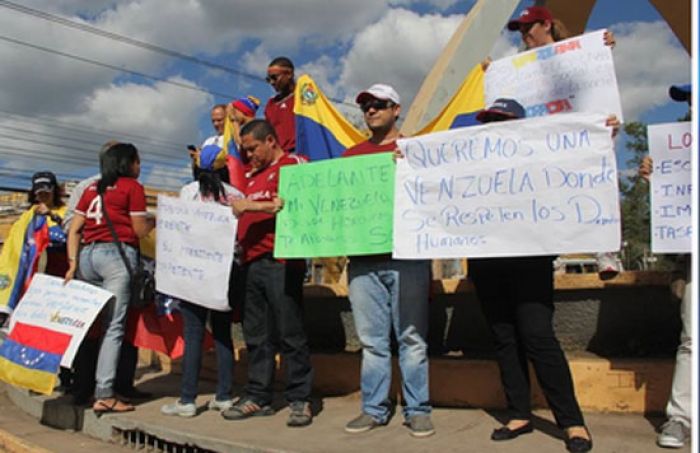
{"points": [[525, 28], [376, 104], [273, 77]]}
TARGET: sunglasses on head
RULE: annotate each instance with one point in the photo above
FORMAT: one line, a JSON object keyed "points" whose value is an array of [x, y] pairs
{"points": [[376, 104]]}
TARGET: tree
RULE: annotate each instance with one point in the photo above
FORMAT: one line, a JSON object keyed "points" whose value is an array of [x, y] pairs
{"points": [[635, 204]]}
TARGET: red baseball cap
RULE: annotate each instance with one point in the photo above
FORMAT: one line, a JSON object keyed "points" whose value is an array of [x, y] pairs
{"points": [[530, 15]]}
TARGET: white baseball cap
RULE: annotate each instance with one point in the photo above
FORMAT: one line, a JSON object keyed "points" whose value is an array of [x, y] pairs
{"points": [[379, 91]]}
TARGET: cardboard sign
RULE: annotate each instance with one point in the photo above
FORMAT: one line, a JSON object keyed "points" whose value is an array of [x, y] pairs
{"points": [[536, 186], [70, 309], [194, 251], [574, 75], [338, 207], [670, 147]]}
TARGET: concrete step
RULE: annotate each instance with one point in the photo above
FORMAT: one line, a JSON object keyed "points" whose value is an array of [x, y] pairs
{"points": [[464, 430]]}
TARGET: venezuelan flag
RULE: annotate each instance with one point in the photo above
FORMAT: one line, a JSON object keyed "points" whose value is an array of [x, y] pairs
{"points": [[321, 131], [25, 242], [234, 160], [31, 356], [465, 104]]}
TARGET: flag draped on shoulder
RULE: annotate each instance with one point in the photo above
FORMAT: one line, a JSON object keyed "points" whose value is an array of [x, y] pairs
{"points": [[26, 241], [465, 104], [321, 131], [234, 159], [30, 357]]}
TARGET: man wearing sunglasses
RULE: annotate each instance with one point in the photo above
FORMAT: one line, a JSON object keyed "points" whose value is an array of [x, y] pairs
{"points": [[279, 110], [385, 292]]}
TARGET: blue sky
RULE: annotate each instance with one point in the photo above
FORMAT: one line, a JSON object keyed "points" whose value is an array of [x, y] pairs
{"points": [[66, 106]]}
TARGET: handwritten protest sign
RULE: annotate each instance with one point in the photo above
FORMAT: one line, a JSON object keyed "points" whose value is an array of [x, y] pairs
{"points": [[194, 251], [529, 187], [68, 309], [336, 207], [670, 146], [574, 75]]}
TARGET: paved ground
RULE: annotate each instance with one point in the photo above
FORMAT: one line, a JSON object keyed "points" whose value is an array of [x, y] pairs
{"points": [[21, 433], [463, 430]]}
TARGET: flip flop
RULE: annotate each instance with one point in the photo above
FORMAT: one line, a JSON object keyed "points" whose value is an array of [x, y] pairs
{"points": [[104, 407]]}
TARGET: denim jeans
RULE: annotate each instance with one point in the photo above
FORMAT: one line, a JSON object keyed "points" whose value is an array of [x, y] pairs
{"points": [[195, 318], [385, 293], [679, 403], [101, 265], [272, 316]]}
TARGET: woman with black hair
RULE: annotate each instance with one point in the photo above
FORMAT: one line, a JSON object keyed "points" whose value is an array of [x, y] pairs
{"points": [[119, 197], [209, 188], [37, 232]]}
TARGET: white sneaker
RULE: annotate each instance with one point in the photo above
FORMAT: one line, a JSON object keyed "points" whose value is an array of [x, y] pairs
{"points": [[216, 405], [178, 408], [673, 434], [608, 265]]}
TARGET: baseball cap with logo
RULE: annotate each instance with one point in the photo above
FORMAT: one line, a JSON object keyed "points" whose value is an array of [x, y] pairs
{"points": [[501, 109], [379, 91], [43, 181], [530, 15]]}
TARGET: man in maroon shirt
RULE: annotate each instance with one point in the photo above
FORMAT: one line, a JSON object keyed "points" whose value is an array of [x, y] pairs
{"points": [[279, 111], [385, 292], [272, 288]]}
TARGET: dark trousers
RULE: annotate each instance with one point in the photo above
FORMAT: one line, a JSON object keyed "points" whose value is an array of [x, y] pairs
{"points": [[195, 319], [516, 296], [272, 314]]}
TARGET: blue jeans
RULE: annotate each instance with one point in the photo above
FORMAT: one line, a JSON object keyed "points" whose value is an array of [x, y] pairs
{"points": [[385, 293], [101, 265], [195, 318]]}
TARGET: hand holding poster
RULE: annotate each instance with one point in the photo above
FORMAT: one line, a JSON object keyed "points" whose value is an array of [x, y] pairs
{"points": [[46, 330], [336, 207], [194, 251], [528, 187], [670, 147], [573, 75]]}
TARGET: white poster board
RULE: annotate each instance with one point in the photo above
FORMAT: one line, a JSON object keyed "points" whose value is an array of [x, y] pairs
{"points": [[194, 251], [69, 309], [574, 75], [670, 147], [536, 186]]}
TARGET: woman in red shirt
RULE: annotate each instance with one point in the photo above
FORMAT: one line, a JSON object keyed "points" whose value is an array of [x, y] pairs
{"points": [[118, 196]]}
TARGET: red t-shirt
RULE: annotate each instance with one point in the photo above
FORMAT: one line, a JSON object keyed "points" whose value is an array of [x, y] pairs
{"points": [[122, 200], [256, 230], [368, 147], [279, 112]]}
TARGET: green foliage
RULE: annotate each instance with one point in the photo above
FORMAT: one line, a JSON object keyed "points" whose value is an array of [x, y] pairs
{"points": [[635, 205]]}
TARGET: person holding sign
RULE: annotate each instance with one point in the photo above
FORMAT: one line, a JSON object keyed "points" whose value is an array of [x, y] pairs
{"points": [[517, 299], [273, 288], [539, 28], [117, 195], [676, 431], [209, 188], [385, 292]]}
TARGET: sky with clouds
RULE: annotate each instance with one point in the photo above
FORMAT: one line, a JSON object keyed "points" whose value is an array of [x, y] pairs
{"points": [[55, 110]]}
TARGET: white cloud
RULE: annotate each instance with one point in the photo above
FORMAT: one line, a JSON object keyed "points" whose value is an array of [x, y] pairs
{"points": [[399, 50], [648, 59]]}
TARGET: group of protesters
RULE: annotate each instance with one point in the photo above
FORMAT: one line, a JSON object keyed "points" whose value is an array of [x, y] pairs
{"points": [[106, 217]]}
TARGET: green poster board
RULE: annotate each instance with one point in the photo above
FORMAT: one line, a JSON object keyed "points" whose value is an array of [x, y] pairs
{"points": [[336, 207]]}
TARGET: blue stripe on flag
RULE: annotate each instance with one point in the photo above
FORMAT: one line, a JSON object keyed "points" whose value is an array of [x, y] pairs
{"points": [[29, 357]]}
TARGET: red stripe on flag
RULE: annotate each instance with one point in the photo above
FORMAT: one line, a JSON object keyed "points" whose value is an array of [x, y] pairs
{"points": [[40, 338]]}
